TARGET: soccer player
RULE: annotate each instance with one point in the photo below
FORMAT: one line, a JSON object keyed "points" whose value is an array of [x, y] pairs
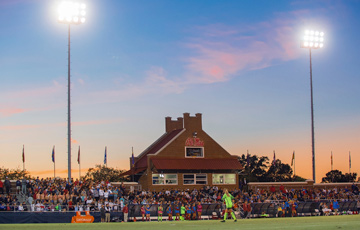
{"points": [[169, 211], [160, 212], [227, 197], [188, 212], [182, 211], [147, 212], [199, 210], [177, 210], [142, 210], [193, 210]]}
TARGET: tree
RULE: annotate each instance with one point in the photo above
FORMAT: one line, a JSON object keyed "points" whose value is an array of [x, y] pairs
{"points": [[13, 174], [335, 176], [103, 173], [279, 172], [255, 167]]}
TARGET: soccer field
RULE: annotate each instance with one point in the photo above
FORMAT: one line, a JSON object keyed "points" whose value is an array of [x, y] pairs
{"points": [[298, 223]]}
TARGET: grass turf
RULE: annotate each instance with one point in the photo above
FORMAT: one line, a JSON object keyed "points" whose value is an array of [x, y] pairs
{"points": [[297, 223]]}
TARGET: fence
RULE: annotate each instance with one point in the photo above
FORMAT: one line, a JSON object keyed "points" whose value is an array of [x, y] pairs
{"points": [[47, 214]]}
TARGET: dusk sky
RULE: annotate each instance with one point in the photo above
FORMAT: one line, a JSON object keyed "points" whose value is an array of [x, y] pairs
{"points": [[134, 62]]}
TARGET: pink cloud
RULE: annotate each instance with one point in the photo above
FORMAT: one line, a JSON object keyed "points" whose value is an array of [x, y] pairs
{"points": [[10, 111], [74, 141], [62, 124], [18, 127], [96, 122], [223, 51]]}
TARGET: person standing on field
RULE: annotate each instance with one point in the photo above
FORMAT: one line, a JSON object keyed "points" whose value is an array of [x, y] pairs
{"points": [[126, 212], [107, 213], [227, 197], [102, 213]]}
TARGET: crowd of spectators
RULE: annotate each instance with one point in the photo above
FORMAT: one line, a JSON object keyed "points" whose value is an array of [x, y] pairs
{"points": [[50, 194]]}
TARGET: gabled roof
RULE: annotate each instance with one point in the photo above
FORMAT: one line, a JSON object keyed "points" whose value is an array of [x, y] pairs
{"points": [[132, 172], [196, 164], [155, 147]]}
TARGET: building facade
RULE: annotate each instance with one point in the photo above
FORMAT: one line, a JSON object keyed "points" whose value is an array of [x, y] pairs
{"points": [[185, 156]]}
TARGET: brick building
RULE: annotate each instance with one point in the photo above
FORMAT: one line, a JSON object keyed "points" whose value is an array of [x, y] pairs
{"points": [[185, 156]]}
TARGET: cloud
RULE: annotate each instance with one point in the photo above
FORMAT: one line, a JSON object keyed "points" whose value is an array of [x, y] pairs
{"points": [[74, 141], [81, 81], [217, 53], [18, 127], [59, 172], [156, 81], [221, 52], [11, 111], [62, 124]]}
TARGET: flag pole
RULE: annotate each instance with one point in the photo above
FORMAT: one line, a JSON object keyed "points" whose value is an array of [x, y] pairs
{"points": [[105, 157], [294, 165], [54, 160], [331, 161], [79, 169], [79, 163], [23, 158], [349, 162], [132, 163]]}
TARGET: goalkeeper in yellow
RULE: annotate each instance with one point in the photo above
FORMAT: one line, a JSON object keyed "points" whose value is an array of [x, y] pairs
{"points": [[228, 201]]}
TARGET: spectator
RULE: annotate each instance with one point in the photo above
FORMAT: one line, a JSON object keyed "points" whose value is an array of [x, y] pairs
{"points": [[1, 187], [272, 189], [245, 208], [23, 186], [3, 207], [20, 207], [7, 185], [18, 186]]}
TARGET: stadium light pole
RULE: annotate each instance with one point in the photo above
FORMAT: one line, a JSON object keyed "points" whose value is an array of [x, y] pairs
{"points": [[70, 13], [312, 40]]}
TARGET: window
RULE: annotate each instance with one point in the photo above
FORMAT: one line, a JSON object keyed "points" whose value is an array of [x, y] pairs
{"points": [[201, 179], [171, 179], [224, 179], [164, 179], [195, 179], [194, 152]]}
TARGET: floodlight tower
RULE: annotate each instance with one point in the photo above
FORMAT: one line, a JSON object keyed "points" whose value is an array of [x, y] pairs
{"points": [[70, 13], [312, 40]]}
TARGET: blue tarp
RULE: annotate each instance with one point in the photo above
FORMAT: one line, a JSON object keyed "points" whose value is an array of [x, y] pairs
{"points": [[46, 217]]}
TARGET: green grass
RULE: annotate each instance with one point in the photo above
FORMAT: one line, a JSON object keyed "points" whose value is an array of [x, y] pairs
{"points": [[297, 223]]}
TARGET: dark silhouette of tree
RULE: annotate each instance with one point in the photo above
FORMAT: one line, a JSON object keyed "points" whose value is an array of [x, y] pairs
{"points": [[279, 172], [337, 176], [255, 167], [13, 174], [258, 169], [103, 173]]}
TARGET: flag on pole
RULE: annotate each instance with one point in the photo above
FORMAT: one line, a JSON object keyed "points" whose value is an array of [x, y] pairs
{"points": [[293, 159], [274, 159], [349, 160], [331, 160], [53, 154], [105, 157], [78, 160], [248, 159], [23, 154], [132, 158]]}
